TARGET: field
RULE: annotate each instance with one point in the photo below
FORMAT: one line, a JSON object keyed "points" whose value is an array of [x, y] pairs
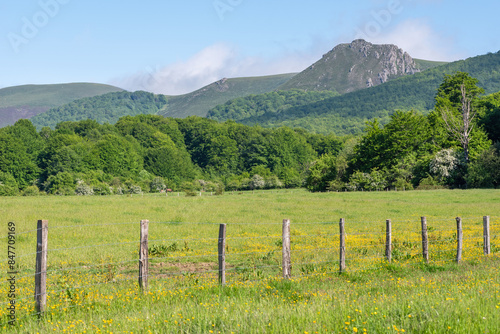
{"points": [[93, 263]]}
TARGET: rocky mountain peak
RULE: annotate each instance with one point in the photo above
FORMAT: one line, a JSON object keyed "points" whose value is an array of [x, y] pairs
{"points": [[353, 66]]}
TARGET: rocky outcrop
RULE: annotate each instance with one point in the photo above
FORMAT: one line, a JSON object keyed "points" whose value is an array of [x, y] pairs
{"points": [[353, 66]]}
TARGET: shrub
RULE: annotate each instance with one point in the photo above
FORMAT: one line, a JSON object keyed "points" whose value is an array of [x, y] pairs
{"points": [[233, 185], [401, 183], [157, 184], [336, 185], [8, 185], [219, 190], [31, 191], [446, 166], [60, 184], [102, 189], [257, 182], [429, 183], [135, 190], [83, 189], [273, 182]]}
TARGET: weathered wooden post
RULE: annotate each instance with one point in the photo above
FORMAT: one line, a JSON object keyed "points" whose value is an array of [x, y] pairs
{"points": [[287, 263], [486, 235], [143, 256], [342, 245], [459, 239], [425, 240], [222, 254], [388, 240], [41, 266]]}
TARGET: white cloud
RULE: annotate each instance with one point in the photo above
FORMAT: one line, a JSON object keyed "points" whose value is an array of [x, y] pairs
{"points": [[418, 39], [211, 64]]}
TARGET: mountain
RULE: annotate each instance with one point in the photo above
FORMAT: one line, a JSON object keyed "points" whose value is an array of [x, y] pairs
{"points": [[29, 100], [199, 102], [107, 108], [347, 113], [357, 65]]}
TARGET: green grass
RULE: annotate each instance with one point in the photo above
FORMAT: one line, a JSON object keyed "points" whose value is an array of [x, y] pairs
{"points": [[94, 289]]}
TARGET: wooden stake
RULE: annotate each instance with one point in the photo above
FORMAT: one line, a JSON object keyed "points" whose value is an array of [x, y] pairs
{"points": [[425, 240], [286, 250], [388, 240], [143, 256], [342, 245], [459, 239], [486, 235], [222, 254], [41, 266]]}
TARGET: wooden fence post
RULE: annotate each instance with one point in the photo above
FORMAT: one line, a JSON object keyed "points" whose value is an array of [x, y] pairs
{"points": [[486, 235], [459, 239], [41, 266], [222, 254], [342, 245], [388, 240], [287, 263], [143, 256], [425, 240]]}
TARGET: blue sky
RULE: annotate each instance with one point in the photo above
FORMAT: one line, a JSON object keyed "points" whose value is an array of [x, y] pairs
{"points": [[175, 47]]}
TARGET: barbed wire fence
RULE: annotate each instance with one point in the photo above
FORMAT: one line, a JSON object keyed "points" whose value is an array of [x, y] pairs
{"points": [[323, 248]]}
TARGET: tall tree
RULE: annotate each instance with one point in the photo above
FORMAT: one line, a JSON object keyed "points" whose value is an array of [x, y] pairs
{"points": [[455, 101]]}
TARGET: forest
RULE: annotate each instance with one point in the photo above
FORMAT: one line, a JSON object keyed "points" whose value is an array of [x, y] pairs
{"points": [[151, 153], [347, 113]]}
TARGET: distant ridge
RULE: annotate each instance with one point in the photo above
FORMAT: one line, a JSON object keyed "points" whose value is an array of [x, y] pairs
{"points": [[199, 102], [27, 101]]}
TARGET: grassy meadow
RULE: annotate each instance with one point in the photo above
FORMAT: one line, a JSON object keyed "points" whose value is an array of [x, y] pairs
{"points": [[93, 267]]}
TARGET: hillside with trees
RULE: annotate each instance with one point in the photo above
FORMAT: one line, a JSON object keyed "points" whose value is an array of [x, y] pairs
{"points": [[107, 108], [29, 100], [347, 113], [152, 153]]}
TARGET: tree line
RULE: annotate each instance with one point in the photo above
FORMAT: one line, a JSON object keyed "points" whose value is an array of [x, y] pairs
{"points": [[150, 153]]}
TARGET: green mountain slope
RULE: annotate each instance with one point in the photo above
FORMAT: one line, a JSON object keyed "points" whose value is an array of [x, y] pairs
{"points": [[199, 102], [347, 113], [29, 100], [107, 108]]}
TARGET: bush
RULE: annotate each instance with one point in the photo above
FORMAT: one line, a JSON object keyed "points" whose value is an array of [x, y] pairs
{"points": [[135, 190], [257, 182], [83, 189], [157, 185], [60, 184], [8, 185], [31, 191], [401, 183], [273, 182], [233, 185], [446, 166], [429, 183], [102, 189], [485, 171], [335, 185], [219, 190]]}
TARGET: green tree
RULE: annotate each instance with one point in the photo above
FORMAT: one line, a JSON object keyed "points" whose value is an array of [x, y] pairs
{"points": [[456, 101]]}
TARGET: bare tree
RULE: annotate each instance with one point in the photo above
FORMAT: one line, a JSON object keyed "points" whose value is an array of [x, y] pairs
{"points": [[460, 126]]}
